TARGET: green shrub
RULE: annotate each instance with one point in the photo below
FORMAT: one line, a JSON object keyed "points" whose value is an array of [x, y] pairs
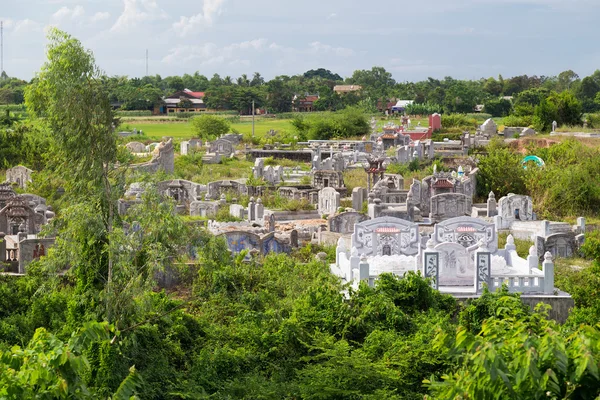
{"points": [[593, 121], [513, 120], [458, 121], [134, 113], [426, 108], [482, 117]]}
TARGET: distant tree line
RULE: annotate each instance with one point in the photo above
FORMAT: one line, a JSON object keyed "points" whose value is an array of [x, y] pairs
{"points": [[518, 96]]}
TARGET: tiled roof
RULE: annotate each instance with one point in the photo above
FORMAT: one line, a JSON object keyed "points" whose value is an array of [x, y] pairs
{"points": [[443, 184]]}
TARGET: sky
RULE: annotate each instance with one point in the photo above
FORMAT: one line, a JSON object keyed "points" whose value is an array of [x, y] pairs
{"points": [[414, 40]]}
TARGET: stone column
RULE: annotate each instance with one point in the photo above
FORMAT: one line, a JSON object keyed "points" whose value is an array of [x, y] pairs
{"points": [[251, 210], [492, 206], [363, 269], [2, 247], [581, 224], [483, 268], [259, 209], [548, 269], [431, 264], [532, 259]]}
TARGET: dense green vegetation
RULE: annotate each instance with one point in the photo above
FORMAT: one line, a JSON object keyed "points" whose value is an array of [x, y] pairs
{"points": [[566, 186]]}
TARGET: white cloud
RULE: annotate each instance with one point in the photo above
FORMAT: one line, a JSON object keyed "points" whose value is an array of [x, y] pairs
{"points": [[65, 13], [241, 53], [332, 16], [136, 12], [210, 53], [26, 25], [320, 48], [188, 25], [100, 16], [7, 23]]}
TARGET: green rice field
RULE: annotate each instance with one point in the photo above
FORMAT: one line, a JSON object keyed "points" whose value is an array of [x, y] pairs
{"points": [[156, 129]]}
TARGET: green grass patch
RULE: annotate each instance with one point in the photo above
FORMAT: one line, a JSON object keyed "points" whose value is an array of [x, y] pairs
{"points": [[157, 127]]}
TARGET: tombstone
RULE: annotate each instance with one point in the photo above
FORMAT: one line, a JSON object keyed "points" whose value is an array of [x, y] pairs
{"points": [[403, 154], [554, 126], [277, 174], [269, 175], [467, 232], [195, 143], [222, 146], [344, 223], [237, 211], [19, 175], [449, 205], [359, 195], [184, 148], [515, 207], [435, 122], [259, 209], [269, 222], [329, 201], [528, 132], [483, 268], [294, 238], [489, 127], [491, 205], [338, 163], [430, 149], [431, 264], [204, 209], [259, 167], [418, 147], [581, 224], [456, 267], [251, 210]]}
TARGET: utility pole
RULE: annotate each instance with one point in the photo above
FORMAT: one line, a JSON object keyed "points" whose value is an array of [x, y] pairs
{"points": [[146, 62], [1, 47], [253, 118]]}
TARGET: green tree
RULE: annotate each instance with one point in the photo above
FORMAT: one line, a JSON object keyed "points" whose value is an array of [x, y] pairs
{"points": [[500, 171], [209, 127], [520, 358], [569, 111], [322, 73], [48, 368], [498, 107], [69, 95], [544, 114]]}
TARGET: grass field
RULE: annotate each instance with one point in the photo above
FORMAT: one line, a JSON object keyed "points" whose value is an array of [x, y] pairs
{"points": [[156, 129]]}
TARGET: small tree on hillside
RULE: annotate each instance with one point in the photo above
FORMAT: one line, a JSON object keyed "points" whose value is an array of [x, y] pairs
{"points": [[209, 127]]}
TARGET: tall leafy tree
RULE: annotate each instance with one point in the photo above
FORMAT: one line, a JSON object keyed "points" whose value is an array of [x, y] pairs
{"points": [[69, 96]]}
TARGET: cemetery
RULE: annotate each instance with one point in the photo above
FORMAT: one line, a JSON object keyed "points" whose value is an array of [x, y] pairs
{"points": [[431, 226], [306, 236]]}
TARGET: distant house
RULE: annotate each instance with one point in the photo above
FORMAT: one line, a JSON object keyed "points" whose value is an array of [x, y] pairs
{"points": [[386, 106], [341, 89], [184, 101], [401, 105], [304, 103]]}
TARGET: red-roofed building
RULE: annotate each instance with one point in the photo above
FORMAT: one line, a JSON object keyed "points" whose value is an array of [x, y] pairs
{"points": [[184, 101], [304, 103]]}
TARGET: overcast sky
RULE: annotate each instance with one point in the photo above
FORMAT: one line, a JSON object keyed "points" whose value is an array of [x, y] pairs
{"points": [[411, 39]]}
